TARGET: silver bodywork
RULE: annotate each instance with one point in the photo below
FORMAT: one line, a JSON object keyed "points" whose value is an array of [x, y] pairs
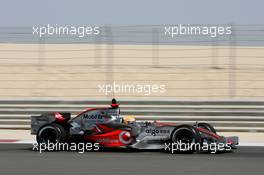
{"points": [[152, 136], [146, 135]]}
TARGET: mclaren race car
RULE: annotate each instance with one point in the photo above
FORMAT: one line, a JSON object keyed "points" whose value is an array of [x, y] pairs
{"points": [[108, 128]]}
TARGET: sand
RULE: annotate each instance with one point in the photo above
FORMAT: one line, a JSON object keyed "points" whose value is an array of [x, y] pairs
{"points": [[72, 71]]}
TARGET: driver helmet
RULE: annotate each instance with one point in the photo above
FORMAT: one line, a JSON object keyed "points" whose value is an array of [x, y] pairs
{"points": [[129, 119]]}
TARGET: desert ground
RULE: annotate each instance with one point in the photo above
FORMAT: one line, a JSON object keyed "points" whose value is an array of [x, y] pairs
{"points": [[75, 71]]}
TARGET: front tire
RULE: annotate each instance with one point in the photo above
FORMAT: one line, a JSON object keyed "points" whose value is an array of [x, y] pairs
{"points": [[188, 137]]}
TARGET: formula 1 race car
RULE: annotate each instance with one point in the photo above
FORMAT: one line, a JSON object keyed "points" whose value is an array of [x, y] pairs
{"points": [[108, 128]]}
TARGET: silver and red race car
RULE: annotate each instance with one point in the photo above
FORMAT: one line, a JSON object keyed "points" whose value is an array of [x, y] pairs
{"points": [[107, 127]]}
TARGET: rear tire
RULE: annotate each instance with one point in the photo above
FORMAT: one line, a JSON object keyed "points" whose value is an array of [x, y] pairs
{"points": [[52, 133], [188, 137]]}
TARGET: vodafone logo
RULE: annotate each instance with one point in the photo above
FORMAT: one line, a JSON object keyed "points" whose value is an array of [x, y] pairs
{"points": [[125, 137]]}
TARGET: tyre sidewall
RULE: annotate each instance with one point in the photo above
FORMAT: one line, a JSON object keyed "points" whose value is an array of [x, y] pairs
{"points": [[59, 130], [190, 130]]}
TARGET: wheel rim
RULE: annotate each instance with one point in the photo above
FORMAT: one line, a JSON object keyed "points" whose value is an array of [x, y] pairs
{"points": [[48, 135], [184, 136]]}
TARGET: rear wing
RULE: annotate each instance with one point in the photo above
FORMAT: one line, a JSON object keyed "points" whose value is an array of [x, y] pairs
{"points": [[43, 119], [38, 121]]}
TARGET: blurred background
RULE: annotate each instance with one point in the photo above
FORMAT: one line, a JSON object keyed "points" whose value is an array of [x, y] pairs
{"points": [[217, 80], [190, 66]]}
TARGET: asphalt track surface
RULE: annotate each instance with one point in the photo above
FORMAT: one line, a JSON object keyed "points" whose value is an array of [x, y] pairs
{"points": [[20, 159]]}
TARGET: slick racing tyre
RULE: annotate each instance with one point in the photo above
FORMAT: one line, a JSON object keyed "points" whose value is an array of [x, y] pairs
{"points": [[52, 133], [207, 126], [186, 138]]}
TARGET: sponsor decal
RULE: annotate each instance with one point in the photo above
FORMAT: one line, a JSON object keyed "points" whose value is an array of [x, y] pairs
{"points": [[125, 137], [92, 117], [105, 140], [155, 132]]}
